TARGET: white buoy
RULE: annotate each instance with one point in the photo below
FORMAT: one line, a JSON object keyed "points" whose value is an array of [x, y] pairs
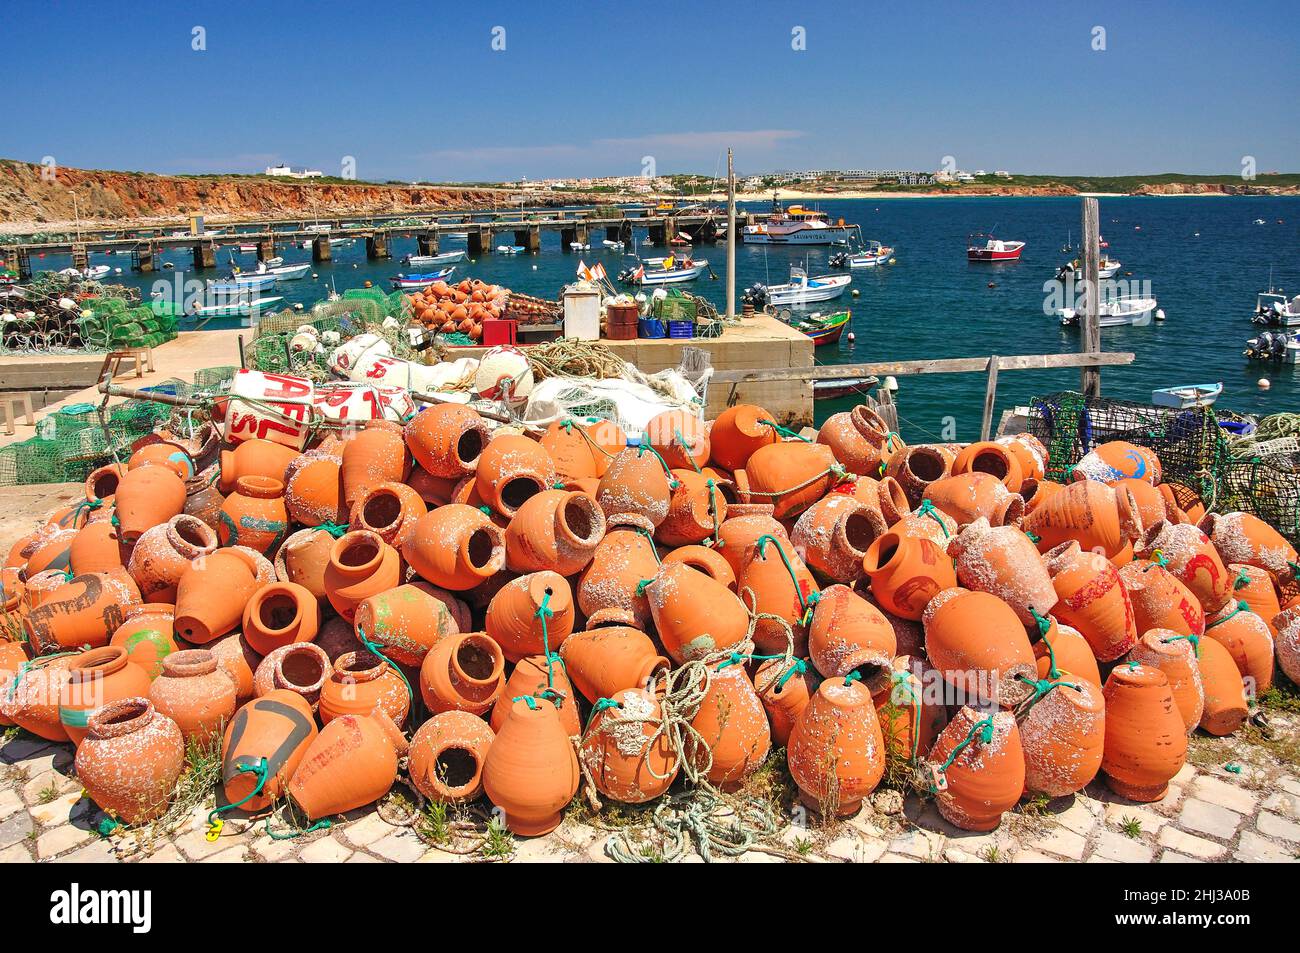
{"points": [[852, 337], [1265, 383], [1160, 314], [855, 292], [890, 384], [534, 267]]}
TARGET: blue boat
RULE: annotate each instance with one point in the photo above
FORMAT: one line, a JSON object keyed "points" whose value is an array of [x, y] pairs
{"points": [[416, 282]]}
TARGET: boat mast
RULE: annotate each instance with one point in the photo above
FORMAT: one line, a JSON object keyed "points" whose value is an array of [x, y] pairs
{"points": [[731, 238]]}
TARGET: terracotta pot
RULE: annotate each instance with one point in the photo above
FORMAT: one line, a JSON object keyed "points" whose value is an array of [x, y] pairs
{"points": [[361, 683], [1226, 708], [146, 497], [909, 722], [303, 558], [389, 510], [299, 667], [456, 547], [1146, 741], [211, 595], [634, 490], [351, 763], [1175, 655], [885, 497], [792, 476], [1193, 560], [1062, 734], [1002, 561], [254, 458], [625, 750], [163, 454], [1117, 460], [554, 530], [13, 656], [1151, 505], [97, 547], [279, 614], [31, 698], [1029, 451], [732, 725], [313, 489], [277, 728], [781, 597], [849, 634], [203, 500], [739, 431], [785, 697], [337, 638], [915, 468], [833, 535], [544, 677], [94, 679], [514, 621], [1247, 639], [932, 524], [162, 554], [979, 645], [1287, 642], [1071, 652], [465, 672], [992, 458], [447, 439], [102, 482], [739, 535], [1242, 538], [970, 496], [836, 751], [375, 455], [580, 452], [1254, 586], [238, 660], [602, 662], [147, 637], [406, 620], [361, 565], [447, 756], [131, 760], [512, 469], [986, 776], [1090, 513], [1093, 600], [609, 589], [54, 551], [694, 615], [1183, 504], [1160, 600], [680, 438], [696, 508], [531, 771], [907, 572], [860, 440], [85, 611], [254, 515], [708, 561], [195, 692], [1037, 492]]}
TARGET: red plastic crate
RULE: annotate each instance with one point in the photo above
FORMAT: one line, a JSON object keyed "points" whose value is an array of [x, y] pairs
{"points": [[497, 331]]}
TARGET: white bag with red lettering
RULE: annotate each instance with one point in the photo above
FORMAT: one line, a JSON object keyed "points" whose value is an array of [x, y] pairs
{"points": [[350, 401], [279, 408]]}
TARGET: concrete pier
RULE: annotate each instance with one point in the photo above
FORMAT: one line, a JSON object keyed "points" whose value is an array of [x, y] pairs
{"points": [[427, 243], [266, 249], [320, 249], [530, 238], [377, 246], [205, 255], [579, 233]]}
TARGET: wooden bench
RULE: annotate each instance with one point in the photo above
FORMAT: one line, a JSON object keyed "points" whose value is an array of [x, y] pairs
{"points": [[11, 405], [142, 356]]}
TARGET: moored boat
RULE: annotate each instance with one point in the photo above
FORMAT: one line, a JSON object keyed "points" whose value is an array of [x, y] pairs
{"points": [[799, 290], [415, 282], [1185, 396], [986, 248], [824, 328], [664, 271], [874, 253], [1272, 308], [1114, 312], [433, 261], [842, 387], [509, 249], [1280, 347], [795, 225], [1106, 268]]}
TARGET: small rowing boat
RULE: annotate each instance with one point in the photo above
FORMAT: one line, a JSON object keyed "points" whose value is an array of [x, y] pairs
{"points": [[416, 282], [433, 261], [1185, 396], [824, 328], [842, 387], [509, 249]]}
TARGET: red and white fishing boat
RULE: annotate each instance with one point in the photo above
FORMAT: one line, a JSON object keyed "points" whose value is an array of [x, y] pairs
{"points": [[981, 247]]}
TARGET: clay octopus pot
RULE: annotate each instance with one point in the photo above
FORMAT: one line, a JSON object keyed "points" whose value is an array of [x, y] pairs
{"points": [[697, 506], [544, 677], [101, 483], [680, 438], [1160, 600], [376, 455], [1090, 513], [915, 468], [979, 645], [609, 590], [625, 751], [836, 752], [531, 614], [970, 496], [1254, 586], [13, 657], [849, 634], [299, 667], [1029, 451], [276, 728], [1175, 655], [694, 615], [361, 565], [833, 536], [254, 515], [1287, 624], [456, 547], [94, 679], [985, 777], [554, 530], [195, 692], [447, 439], [406, 620], [1226, 708], [531, 771], [1118, 460], [1069, 650], [512, 469], [278, 614], [1092, 600], [737, 433], [31, 697], [98, 547], [54, 551], [707, 560], [1146, 740], [464, 672], [1151, 504], [447, 755], [163, 453], [85, 611], [860, 440], [785, 688], [351, 763], [313, 489], [361, 683], [909, 722], [211, 594], [238, 660], [580, 452], [163, 553], [390, 510], [131, 759], [739, 535], [992, 458], [1062, 734], [906, 572], [1243, 538], [262, 458], [1247, 638], [792, 476], [602, 662], [1192, 559], [635, 490], [776, 585], [146, 497], [303, 558], [1001, 560], [733, 726]]}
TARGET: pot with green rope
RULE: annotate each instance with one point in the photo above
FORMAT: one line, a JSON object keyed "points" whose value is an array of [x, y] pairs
{"points": [[1176, 655], [273, 731], [1062, 730], [351, 763], [625, 750], [976, 769], [837, 752], [694, 614]]}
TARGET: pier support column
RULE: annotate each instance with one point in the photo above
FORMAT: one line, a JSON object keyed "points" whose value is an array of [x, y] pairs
{"points": [[377, 246], [567, 235], [320, 249], [266, 249], [478, 242], [205, 256], [530, 238], [145, 257], [613, 233], [584, 235], [658, 234], [80, 257], [427, 244]]}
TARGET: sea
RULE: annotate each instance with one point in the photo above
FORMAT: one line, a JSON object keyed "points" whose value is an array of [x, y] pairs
{"points": [[1204, 259]]}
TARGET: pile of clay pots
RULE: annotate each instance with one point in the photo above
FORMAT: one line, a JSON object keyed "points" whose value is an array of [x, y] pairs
{"points": [[490, 613]]}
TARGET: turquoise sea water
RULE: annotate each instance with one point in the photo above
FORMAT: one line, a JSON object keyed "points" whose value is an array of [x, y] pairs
{"points": [[933, 304]]}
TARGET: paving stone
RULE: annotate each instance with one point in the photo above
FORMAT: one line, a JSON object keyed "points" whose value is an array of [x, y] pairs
{"points": [[56, 812], [166, 854], [1289, 784], [360, 858], [366, 831], [1186, 843], [10, 803], [268, 848], [1112, 845], [39, 787], [1170, 802], [1028, 856], [897, 859], [195, 845], [435, 856], [596, 851], [15, 829], [855, 850], [924, 845], [54, 760], [955, 855], [17, 854], [1207, 818], [531, 850], [1185, 774], [1117, 814], [1278, 827], [401, 846], [59, 839], [97, 853], [327, 850], [1063, 842], [1080, 817], [1173, 857], [757, 857], [1280, 802], [231, 855], [1254, 849], [1217, 791]]}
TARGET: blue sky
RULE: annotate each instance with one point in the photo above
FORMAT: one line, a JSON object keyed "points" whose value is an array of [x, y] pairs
{"points": [[415, 90]]}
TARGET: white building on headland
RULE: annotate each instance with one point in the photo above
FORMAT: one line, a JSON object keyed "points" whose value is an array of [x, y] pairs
{"points": [[285, 172]]}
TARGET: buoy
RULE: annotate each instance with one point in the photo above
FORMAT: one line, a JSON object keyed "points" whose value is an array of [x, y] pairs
{"points": [[367, 281], [1265, 383], [852, 337], [1160, 314], [313, 274], [893, 261], [992, 284], [297, 306], [534, 267], [890, 384], [855, 292]]}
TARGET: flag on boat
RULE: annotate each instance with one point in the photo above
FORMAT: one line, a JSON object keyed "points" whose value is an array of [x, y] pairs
{"points": [[598, 271], [668, 263], [639, 273]]}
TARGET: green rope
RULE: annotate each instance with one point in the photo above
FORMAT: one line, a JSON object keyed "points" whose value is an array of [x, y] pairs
{"points": [[602, 704], [654, 550], [1242, 606], [673, 482], [85, 506], [485, 510], [215, 823], [1242, 580], [736, 658], [527, 699], [713, 511], [106, 827], [1042, 687], [544, 612], [805, 602], [334, 529], [641, 586], [323, 824], [927, 508], [1033, 537], [1194, 639], [376, 648], [983, 728], [1295, 570], [1157, 559], [797, 667], [853, 676], [783, 431], [681, 442], [904, 678]]}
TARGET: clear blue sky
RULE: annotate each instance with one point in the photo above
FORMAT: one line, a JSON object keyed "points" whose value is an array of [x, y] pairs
{"points": [[415, 90]]}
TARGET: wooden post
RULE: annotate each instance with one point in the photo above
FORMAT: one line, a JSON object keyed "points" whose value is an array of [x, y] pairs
{"points": [[990, 398], [1090, 339], [731, 238]]}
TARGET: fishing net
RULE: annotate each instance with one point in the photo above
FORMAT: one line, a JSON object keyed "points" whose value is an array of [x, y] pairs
{"points": [[1267, 486], [1192, 448]]}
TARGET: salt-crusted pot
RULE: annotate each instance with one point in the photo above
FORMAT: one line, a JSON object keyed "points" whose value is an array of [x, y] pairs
{"points": [[1090, 513], [131, 760], [1226, 708], [352, 763], [361, 565], [1151, 505], [836, 751], [696, 508], [1146, 740], [849, 634], [31, 698], [986, 777], [102, 482], [580, 452], [1002, 561], [554, 530], [212, 593], [1093, 600], [625, 750], [1287, 643], [196, 693], [543, 677], [54, 551], [361, 683], [1243, 538], [163, 453], [376, 455], [1029, 450], [1062, 734], [447, 439], [531, 614], [254, 458], [1118, 460], [531, 771], [85, 611], [254, 515], [456, 546], [303, 558], [301, 667], [915, 468], [1175, 655], [277, 728], [776, 585], [609, 589], [603, 661], [146, 497], [13, 658], [695, 615], [96, 678], [739, 431], [1247, 638], [992, 458], [406, 620], [909, 721], [979, 645], [97, 547], [860, 440], [906, 572], [447, 755], [464, 672], [1254, 586], [733, 726], [162, 554], [1192, 559], [1160, 600], [707, 560], [313, 489], [833, 535], [785, 688], [280, 613], [390, 510], [792, 476], [634, 490], [970, 496], [238, 660], [511, 469], [1069, 650]]}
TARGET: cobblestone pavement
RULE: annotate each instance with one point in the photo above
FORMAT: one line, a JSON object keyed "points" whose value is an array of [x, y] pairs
{"points": [[1237, 799]]}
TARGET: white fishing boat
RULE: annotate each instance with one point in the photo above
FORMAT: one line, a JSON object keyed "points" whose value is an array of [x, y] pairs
{"points": [[795, 225], [1186, 396], [613, 246], [433, 261], [1116, 312], [1106, 268], [509, 249], [579, 246], [281, 271], [800, 289], [669, 270], [246, 306], [874, 253], [416, 282], [1280, 347], [1273, 308], [94, 273]]}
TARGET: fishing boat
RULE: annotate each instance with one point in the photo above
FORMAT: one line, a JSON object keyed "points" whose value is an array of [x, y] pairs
{"points": [[579, 246], [824, 328], [874, 253], [455, 236], [1106, 268], [1280, 347], [1186, 396], [1273, 309], [95, 273], [282, 272], [415, 282], [433, 261], [982, 247], [799, 290], [664, 271], [240, 282], [795, 226], [509, 249], [241, 307], [1115, 312], [8, 278], [681, 240], [613, 246]]}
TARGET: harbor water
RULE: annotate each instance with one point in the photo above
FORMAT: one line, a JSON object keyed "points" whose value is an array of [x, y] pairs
{"points": [[1203, 258]]}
